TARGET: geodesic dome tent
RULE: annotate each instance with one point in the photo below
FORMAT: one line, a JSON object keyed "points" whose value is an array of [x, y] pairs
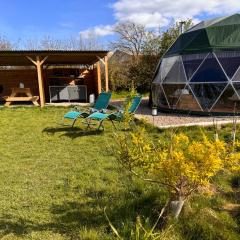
{"points": [[201, 70]]}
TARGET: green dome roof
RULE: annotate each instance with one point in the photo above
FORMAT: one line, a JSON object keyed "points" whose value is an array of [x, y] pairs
{"points": [[218, 34]]}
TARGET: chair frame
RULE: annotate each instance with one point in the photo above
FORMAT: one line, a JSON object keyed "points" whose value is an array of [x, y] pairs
{"points": [[112, 120], [85, 114]]}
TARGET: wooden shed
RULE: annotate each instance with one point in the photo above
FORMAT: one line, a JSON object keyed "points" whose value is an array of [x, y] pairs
{"points": [[53, 75]]}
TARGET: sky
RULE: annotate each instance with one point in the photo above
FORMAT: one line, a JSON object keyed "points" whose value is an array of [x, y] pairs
{"points": [[31, 19]]}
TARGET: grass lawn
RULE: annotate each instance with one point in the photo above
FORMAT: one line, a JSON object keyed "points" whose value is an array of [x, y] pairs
{"points": [[55, 182], [123, 94]]}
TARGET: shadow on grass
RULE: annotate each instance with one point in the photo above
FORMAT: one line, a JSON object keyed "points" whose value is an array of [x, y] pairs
{"points": [[72, 133], [70, 217], [10, 225], [73, 215], [83, 133]]}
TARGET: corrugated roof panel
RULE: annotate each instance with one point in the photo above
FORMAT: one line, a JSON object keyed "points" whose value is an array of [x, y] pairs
{"points": [[19, 57]]}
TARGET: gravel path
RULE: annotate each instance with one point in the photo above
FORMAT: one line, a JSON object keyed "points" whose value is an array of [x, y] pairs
{"points": [[167, 120]]}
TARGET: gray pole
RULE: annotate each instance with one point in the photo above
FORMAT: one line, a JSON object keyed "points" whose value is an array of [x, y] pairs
{"points": [[181, 25]]}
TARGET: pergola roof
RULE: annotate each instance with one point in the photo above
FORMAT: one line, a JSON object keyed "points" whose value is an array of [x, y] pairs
{"points": [[54, 57]]}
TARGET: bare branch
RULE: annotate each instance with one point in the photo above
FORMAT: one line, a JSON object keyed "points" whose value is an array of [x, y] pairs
{"points": [[155, 181], [5, 44], [131, 37]]}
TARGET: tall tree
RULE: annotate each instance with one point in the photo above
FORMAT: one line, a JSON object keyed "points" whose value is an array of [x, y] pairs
{"points": [[131, 37], [153, 48], [146, 47], [141, 72]]}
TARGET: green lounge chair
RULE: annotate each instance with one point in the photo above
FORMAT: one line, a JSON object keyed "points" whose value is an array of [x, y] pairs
{"points": [[116, 116], [100, 105]]}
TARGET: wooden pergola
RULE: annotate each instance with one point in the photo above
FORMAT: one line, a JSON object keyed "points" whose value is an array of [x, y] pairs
{"points": [[39, 58]]}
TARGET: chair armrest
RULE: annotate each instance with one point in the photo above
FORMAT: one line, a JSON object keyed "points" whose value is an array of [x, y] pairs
{"points": [[78, 109], [93, 110], [104, 110]]}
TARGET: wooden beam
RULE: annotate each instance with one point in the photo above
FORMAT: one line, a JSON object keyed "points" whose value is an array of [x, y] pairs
{"points": [[40, 81], [101, 60], [99, 80], [38, 63], [42, 62], [106, 75], [35, 62], [30, 59]]}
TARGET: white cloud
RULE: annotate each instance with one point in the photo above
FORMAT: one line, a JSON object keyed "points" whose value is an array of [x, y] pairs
{"points": [[98, 31], [159, 13], [156, 13], [150, 20]]}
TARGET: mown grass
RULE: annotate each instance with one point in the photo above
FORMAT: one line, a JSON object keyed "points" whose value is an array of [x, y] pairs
{"points": [[55, 182], [123, 94]]}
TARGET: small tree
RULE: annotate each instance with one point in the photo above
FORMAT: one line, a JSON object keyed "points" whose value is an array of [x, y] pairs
{"points": [[181, 166], [128, 118]]}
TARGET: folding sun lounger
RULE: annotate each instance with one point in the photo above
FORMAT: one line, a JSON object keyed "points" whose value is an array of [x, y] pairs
{"points": [[100, 105], [116, 116]]}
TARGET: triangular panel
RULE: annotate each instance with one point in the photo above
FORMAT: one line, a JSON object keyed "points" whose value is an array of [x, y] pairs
{"points": [[158, 96], [200, 42], [226, 21], [157, 77], [184, 41], [176, 73], [236, 86], [157, 71], [206, 23], [226, 103], [173, 93], [210, 71], [207, 94], [187, 101], [230, 62], [192, 62], [236, 77], [166, 66]]}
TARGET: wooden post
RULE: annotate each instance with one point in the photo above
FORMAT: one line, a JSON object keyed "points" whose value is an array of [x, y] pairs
{"points": [[99, 81], [39, 64], [40, 82], [106, 75]]}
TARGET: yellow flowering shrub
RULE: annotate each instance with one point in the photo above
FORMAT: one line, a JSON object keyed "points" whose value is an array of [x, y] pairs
{"points": [[128, 117], [181, 165]]}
